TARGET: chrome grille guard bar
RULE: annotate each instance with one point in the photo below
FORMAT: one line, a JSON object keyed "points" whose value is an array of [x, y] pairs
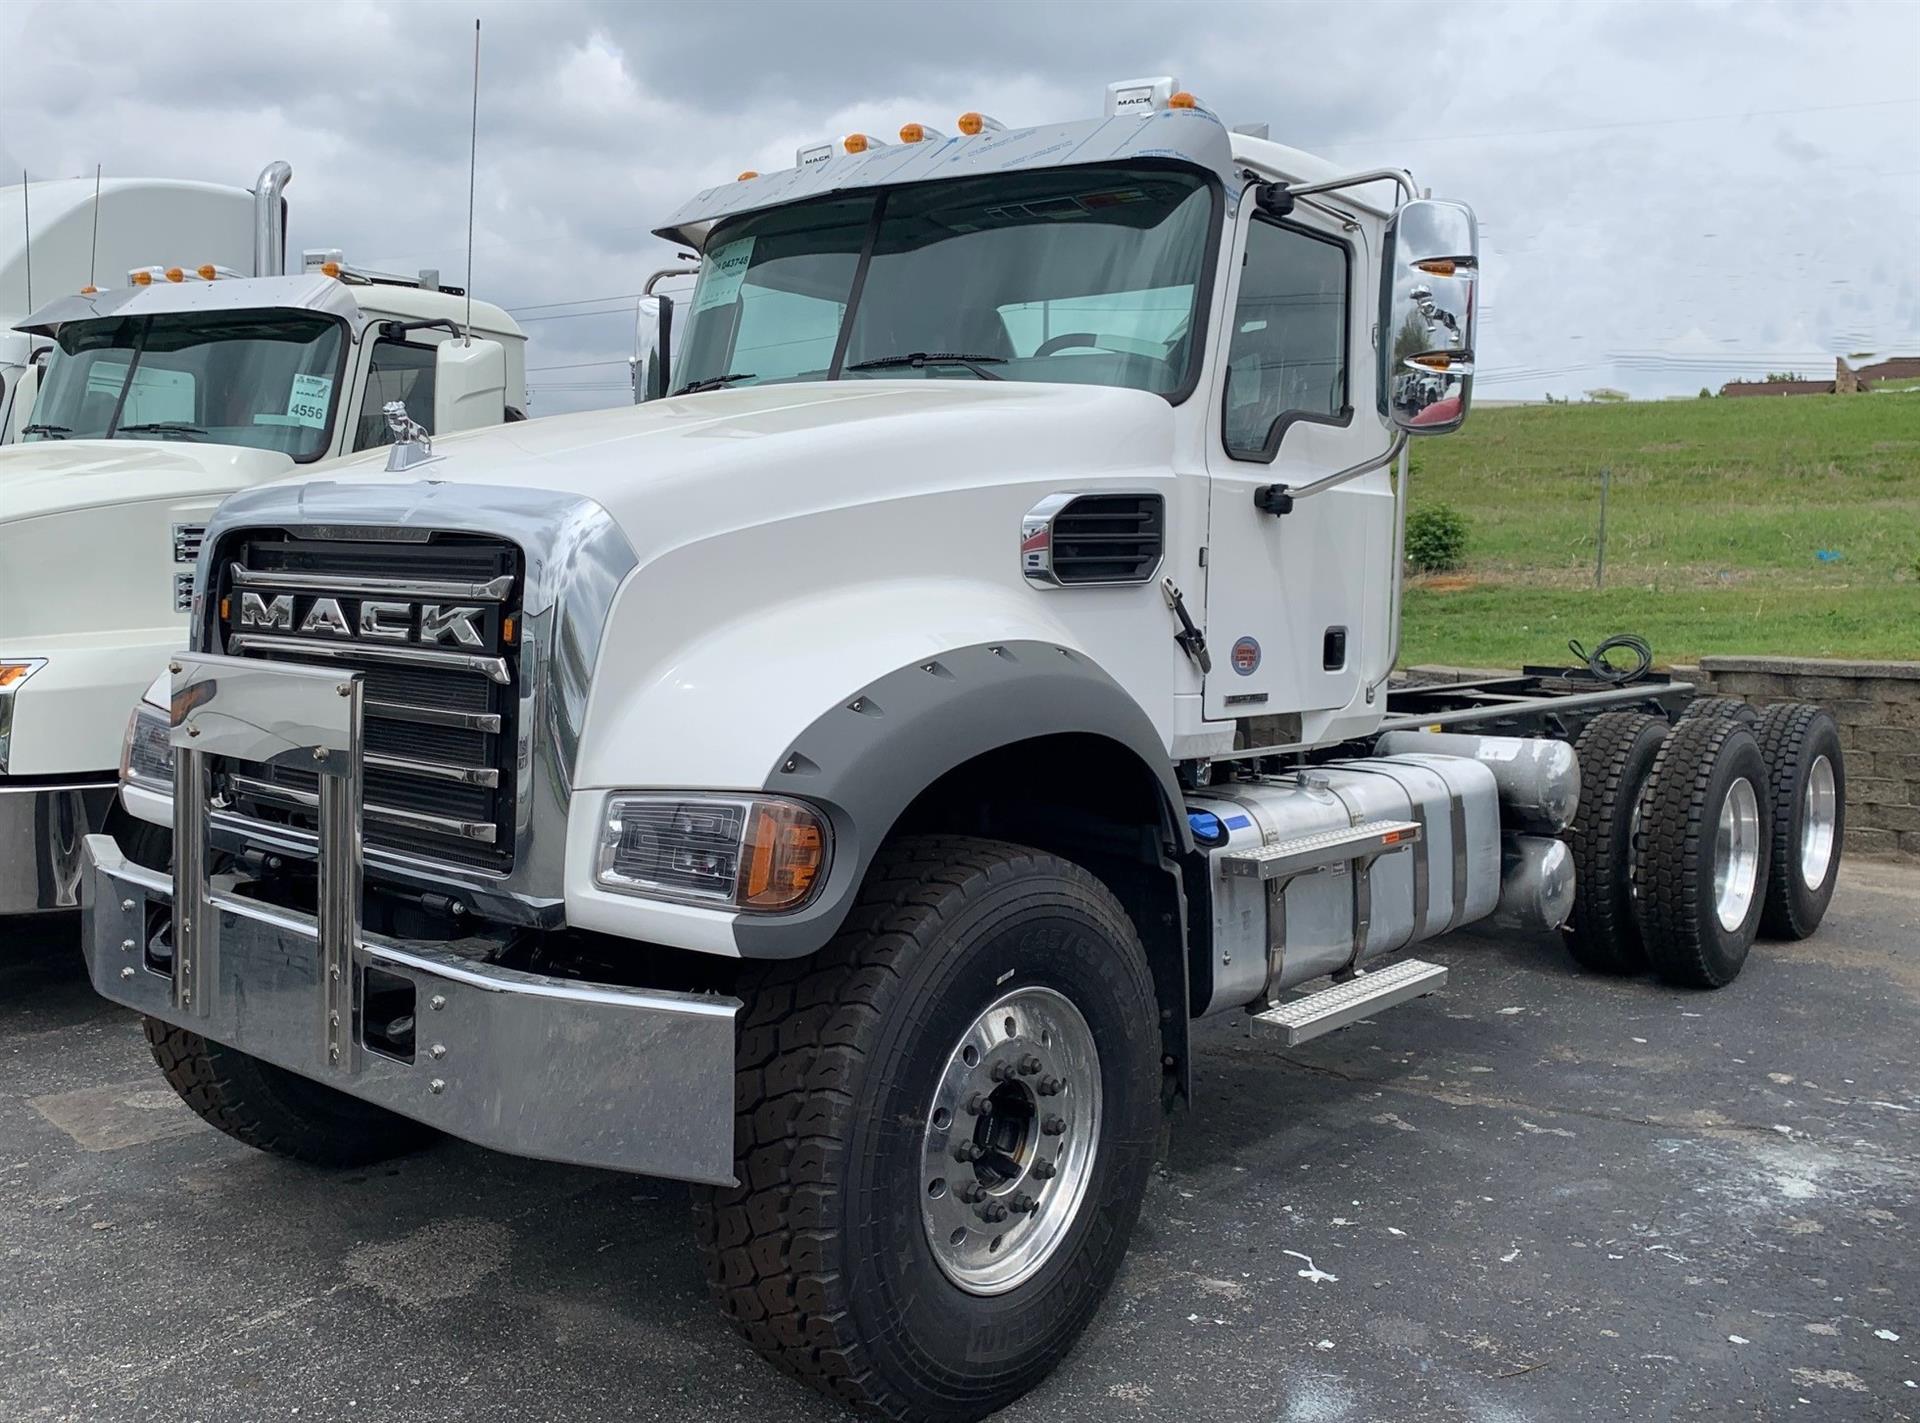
{"points": [[598, 1074]]}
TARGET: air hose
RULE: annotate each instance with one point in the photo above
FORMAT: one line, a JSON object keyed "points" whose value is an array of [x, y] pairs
{"points": [[1605, 671]]}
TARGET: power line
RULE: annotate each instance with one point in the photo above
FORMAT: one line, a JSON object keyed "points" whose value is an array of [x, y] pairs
{"points": [[577, 301], [576, 366]]}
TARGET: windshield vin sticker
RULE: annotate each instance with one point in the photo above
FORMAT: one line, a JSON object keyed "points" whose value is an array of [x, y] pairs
{"points": [[726, 269], [308, 401]]}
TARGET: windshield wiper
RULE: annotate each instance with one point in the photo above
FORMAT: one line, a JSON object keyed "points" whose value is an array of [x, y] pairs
{"points": [[694, 387], [40, 429], [919, 359], [161, 427]]}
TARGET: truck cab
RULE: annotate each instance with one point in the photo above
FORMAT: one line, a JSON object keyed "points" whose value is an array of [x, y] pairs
{"points": [[839, 779], [155, 401]]}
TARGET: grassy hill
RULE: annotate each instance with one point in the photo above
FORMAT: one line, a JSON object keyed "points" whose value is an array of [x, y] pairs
{"points": [[1718, 516]]}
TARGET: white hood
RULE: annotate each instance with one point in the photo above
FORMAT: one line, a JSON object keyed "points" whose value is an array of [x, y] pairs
{"points": [[672, 472], [45, 477]]}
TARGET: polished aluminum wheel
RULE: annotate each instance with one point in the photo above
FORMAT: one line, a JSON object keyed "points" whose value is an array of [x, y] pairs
{"points": [[1819, 817], [1010, 1139], [1736, 855]]}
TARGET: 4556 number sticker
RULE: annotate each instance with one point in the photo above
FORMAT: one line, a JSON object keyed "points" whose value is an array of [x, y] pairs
{"points": [[309, 401]]}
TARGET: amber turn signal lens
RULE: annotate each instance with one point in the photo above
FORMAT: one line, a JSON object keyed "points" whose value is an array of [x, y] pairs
{"points": [[13, 672], [1434, 363], [1437, 266], [784, 854]]}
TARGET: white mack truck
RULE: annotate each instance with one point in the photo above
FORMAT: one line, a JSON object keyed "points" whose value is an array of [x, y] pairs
{"points": [[157, 399], [839, 780]]}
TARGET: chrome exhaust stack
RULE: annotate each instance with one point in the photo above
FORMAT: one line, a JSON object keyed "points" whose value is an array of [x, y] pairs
{"points": [[270, 220]]}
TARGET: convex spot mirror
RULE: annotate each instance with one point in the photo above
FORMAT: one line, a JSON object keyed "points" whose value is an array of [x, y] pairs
{"points": [[1427, 298], [469, 385]]}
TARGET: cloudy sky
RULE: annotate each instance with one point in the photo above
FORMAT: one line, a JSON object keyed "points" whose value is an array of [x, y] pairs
{"points": [[1671, 194]]}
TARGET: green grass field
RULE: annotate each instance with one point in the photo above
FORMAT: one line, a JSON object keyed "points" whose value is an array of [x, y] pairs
{"points": [[1718, 514]]}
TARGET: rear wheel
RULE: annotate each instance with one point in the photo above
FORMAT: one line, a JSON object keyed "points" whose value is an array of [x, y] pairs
{"points": [[945, 1121], [1807, 778], [1616, 753], [274, 1110], [1706, 825]]}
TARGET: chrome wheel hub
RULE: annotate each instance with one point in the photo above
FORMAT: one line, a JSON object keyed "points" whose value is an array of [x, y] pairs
{"points": [[1736, 855], [1819, 815], [1009, 1140]]}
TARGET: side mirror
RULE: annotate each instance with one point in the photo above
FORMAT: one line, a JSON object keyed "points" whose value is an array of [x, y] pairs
{"points": [[469, 385], [1427, 280], [653, 339]]}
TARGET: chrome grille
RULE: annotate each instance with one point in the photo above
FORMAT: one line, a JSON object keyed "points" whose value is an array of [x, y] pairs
{"points": [[430, 628]]}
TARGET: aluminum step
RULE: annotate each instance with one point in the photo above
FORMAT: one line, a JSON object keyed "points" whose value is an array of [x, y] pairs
{"points": [[1328, 847], [1301, 1020]]}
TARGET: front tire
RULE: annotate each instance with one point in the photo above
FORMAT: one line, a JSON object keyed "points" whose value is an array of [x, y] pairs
{"points": [[987, 1010], [273, 1110]]}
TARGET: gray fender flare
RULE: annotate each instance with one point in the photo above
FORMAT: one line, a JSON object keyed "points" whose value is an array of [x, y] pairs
{"points": [[865, 760]]}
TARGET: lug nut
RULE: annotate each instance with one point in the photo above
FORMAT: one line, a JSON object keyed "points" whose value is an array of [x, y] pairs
{"points": [[1054, 1126], [1029, 1065], [1045, 1170], [1001, 1072], [1025, 1204], [992, 1212], [976, 1104], [968, 1151], [972, 1191], [1051, 1086]]}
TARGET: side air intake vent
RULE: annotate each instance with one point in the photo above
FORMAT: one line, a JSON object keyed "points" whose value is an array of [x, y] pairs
{"points": [[1082, 539]]}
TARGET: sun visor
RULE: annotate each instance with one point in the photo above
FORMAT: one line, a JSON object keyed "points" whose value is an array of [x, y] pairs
{"points": [[1191, 136], [322, 295]]}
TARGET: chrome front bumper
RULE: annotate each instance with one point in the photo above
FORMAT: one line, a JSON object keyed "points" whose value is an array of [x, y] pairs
{"points": [[592, 1074], [41, 831]]}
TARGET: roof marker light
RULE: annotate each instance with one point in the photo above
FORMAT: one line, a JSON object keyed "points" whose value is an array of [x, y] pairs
{"points": [[918, 133], [174, 274], [749, 173], [861, 143], [89, 290], [330, 269], [973, 124], [1183, 100]]}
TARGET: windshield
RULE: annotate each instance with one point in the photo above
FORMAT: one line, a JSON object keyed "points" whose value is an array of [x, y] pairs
{"points": [[1085, 275], [261, 379]]}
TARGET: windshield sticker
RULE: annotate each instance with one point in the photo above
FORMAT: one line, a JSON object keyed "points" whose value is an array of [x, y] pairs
{"points": [[309, 400], [726, 269]]}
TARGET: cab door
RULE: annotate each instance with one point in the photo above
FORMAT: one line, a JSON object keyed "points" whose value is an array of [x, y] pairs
{"points": [[1294, 600]]}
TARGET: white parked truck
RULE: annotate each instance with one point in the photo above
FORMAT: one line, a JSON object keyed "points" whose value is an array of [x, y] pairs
{"points": [[159, 398], [840, 781], [61, 235]]}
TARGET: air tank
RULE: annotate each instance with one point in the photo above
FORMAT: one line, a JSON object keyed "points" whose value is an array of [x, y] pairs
{"points": [[1538, 778]]}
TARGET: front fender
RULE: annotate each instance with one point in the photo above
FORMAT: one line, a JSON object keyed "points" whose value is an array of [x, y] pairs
{"points": [[856, 699]]}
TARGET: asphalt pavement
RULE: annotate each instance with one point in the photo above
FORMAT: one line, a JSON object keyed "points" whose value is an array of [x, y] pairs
{"points": [[1538, 1196]]}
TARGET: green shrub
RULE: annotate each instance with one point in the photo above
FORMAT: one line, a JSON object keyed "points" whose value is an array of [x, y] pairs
{"points": [[1436, 539]]}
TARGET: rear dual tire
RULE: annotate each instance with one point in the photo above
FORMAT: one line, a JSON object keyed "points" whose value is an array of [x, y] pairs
{"points": [[1706, 825]]}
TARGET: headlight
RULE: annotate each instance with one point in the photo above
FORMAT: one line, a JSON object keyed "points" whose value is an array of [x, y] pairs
{"points": [[12, 674], [734, 852], [146, 755]]}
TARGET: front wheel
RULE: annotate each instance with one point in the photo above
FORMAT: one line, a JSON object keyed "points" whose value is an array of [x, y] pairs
{"points": [[945, 1123]]}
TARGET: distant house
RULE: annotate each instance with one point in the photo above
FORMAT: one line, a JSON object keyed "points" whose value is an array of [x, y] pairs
{"points": [[1895, 368], [1606, 394], [1778, 387]]}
